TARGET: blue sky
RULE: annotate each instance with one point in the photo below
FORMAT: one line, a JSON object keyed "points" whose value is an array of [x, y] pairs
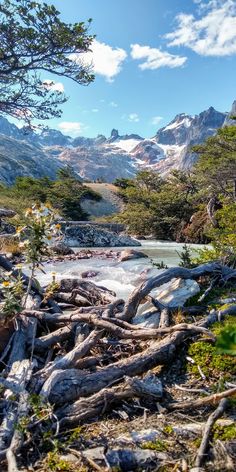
{"points": [[152, 60]]}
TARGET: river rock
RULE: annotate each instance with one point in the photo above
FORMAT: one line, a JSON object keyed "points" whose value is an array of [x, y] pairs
{"points": [[62, 249], [125, 459], [175, 293], [130, 254], [88, 274], [93, 236], [149, 319]]}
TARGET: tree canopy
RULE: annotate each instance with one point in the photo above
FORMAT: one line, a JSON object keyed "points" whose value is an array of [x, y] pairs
{"points": [[196, 206], [34, 40]]}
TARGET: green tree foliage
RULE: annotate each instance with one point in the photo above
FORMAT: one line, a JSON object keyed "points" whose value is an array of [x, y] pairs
{"points": [[156, 206], [215, 170], [34, 40], [64, 194], [191, 207]]}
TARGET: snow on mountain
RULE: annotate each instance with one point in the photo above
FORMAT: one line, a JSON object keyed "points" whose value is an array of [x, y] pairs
{"points": [[107, 158], [127, 144]]}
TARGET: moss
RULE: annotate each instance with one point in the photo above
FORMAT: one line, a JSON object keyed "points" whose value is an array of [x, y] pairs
{"points": [[224, 433], [157, 445], [196, 442], [54, 463], [214, 294], [168, 429], [207, 357]]}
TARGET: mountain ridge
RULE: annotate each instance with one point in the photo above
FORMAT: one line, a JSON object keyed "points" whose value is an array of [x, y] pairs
{"points": [[107, 158]]}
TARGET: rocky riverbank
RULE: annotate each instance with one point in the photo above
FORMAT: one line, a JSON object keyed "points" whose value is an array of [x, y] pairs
{"points": [[95, 236]]}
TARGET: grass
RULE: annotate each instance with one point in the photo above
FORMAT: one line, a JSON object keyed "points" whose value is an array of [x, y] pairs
{"points": [[9, 245]]}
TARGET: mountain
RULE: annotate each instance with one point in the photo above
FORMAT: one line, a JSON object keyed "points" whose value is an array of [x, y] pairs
{"points": [[232, 114], [38, 154], [20, 158]]}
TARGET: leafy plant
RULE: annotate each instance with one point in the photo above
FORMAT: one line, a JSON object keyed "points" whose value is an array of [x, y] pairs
{"points": [[34, 39], [186, 257]]}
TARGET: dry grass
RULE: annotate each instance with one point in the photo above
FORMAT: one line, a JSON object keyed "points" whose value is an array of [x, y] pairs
{"points": [[9, 244]]}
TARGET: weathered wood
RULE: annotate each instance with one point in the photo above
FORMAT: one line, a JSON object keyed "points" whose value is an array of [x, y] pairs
{"points": [[69, 360], [93, 293], [202, 451], [19, 368], [58, 336], [97, 404], [211, 211], [105, 323], [210, 400], [165, 318], [71, 384]]}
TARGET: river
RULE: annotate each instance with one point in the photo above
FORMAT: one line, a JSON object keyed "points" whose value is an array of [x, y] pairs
{"points": [[122, 277]]}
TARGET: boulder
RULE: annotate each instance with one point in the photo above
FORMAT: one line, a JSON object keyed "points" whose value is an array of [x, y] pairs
{"points": [[6, 213], [149, 319], [94, 236], [175, 293], [130, 254], [62, 249]]}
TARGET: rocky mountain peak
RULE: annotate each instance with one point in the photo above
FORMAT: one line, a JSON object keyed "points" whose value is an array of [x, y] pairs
{"points": [[229, 121], [39, 154], [114, 133]]}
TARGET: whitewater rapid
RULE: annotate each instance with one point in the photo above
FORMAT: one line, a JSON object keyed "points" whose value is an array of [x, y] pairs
{"points": [[122, 277]]}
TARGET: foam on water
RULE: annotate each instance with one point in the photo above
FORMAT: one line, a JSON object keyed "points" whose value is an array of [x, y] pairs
{"points": [[121, 277]]}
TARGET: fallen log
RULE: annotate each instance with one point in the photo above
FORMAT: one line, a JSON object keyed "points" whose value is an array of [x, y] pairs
{"points": [[56, 337], [93, 293], [69, 385], [97, 404], [72, 357]]}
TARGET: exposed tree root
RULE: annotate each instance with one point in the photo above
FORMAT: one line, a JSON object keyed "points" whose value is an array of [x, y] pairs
{"points": [[83, 362]]}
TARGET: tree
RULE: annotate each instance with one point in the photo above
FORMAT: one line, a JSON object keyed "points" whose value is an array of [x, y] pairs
{"points": [[68, 172], [34, 40], [216, 168]]}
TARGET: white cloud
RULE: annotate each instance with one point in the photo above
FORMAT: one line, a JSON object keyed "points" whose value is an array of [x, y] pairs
{"points": [[54, 86], [104, 59], [133, 117], [113, 104], [73, 128], [212, 34], [155, 58], [95, 110], [156, 120]]}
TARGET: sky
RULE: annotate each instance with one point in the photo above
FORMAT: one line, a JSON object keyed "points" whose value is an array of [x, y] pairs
{"points": [[152, 60]]}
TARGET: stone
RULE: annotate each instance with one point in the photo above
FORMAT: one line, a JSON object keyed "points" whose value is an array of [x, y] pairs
{"points": [[149, 319], [4, 212], [175, 293], [130, 254], [134, 459], [94, 236], [62, 249], [139, 437], [88, 274], [125, 459]]}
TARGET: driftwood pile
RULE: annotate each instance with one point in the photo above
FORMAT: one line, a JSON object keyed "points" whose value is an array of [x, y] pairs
{"points": [[79, 352]]}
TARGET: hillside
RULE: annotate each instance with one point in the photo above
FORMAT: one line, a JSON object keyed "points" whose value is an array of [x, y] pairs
{"points": [[109, 204]]}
